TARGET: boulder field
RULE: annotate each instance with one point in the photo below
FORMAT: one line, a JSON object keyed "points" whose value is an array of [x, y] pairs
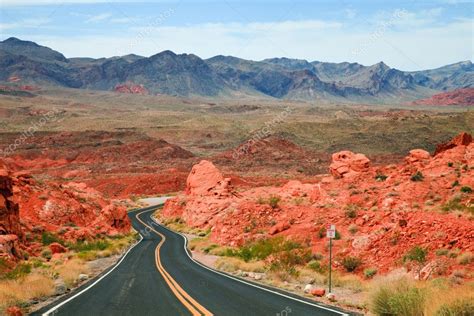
{"points": [[380, 212], [71, 210]]}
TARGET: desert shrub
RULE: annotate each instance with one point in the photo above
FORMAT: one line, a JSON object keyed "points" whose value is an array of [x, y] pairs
{"points": [[20, 270], [465, 258], [460, 307], [351, 263], [353, 229], [416, 253], [466, 189], [418, 176], [210, 247], [289, 259], [82, 246], [455, 184], [380, 177], [398, 298], [351, 211], [317, 256], [48, 238], [273, 201], [455, 204], [263, 248], [337, 235], [450, 164], [316, 266], [46, 253], [370, 273], [322, 232], [442, 252]]}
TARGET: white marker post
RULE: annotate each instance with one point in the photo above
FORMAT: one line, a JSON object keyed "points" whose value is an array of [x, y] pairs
{"points": [[330, 233]]}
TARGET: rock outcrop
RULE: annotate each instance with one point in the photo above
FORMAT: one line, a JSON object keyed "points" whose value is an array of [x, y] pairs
{"points": [[10, 230], [381, 212], [131, 88], [346, 164], [463, 139], [206, 179]]}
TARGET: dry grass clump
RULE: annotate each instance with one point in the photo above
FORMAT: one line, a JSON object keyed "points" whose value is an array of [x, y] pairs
{"points": [[69, 271], [34, 285], [410, 298], [231, 264], [451, 301]]}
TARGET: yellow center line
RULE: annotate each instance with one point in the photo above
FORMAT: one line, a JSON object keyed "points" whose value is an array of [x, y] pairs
{"points": [[181, 294]]}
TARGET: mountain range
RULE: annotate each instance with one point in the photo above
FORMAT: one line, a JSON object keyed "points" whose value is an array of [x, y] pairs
{"points": [[227, 76]]}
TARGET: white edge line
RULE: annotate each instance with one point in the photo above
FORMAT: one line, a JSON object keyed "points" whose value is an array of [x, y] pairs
{"points": [[96, 281], [242, 281]]}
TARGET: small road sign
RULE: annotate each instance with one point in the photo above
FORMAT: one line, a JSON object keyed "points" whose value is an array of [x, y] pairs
{"points": [[331, 231]]}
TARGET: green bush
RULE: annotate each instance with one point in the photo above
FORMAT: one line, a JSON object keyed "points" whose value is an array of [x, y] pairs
{"points": [[273, 201], [450, 164], [400, 298], [380, 177], [210, 247], [461, 307], [466, 189], [316, 266], [442, 252], [416, 254], [289, 259], [82, 246], [351, 263], [47, 254], [455, 184], [370, 273], [418, 176], [263, 248], [20, 270], [48, 238]]}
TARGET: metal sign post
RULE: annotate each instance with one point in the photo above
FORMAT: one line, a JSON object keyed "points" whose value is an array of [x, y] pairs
{"points": [[330, 233]]}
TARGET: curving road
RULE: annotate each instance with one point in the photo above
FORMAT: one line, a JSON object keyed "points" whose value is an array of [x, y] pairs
{"points": [[159, 277]]}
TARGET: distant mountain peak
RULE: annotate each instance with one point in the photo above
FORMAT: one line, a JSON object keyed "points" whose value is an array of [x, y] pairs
{"points": [[16, 41]]}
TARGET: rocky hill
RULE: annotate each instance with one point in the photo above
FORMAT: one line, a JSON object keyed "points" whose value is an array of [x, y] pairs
{"points": [[188, 75], [456, 97]]}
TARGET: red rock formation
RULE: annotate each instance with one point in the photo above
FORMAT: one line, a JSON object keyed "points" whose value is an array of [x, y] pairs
{"points": [[346, 163], [456, 97], [462, 139], [57, 248], [10, 230], [392, 212], [132, 88]]}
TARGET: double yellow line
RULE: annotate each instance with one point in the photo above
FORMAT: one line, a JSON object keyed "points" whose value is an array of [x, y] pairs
{"points": [[191, 304]]}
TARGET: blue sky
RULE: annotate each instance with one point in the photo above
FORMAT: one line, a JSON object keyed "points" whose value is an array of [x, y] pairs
{"points": [[408, 35]]}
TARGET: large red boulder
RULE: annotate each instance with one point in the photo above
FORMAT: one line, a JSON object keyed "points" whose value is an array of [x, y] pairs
{"points": [[346, 163], [462, 139], [204, 177], [418, 156], [57, 248]]}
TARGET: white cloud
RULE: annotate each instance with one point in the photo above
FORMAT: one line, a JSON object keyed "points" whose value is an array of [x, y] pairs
{"points": [[98, 17]]}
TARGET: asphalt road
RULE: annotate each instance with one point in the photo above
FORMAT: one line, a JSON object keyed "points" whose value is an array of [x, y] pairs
{"points": [[158, 277]]}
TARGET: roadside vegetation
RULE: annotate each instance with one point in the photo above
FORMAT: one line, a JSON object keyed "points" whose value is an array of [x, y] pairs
{"points": [[290, 265], [39, 277]]}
